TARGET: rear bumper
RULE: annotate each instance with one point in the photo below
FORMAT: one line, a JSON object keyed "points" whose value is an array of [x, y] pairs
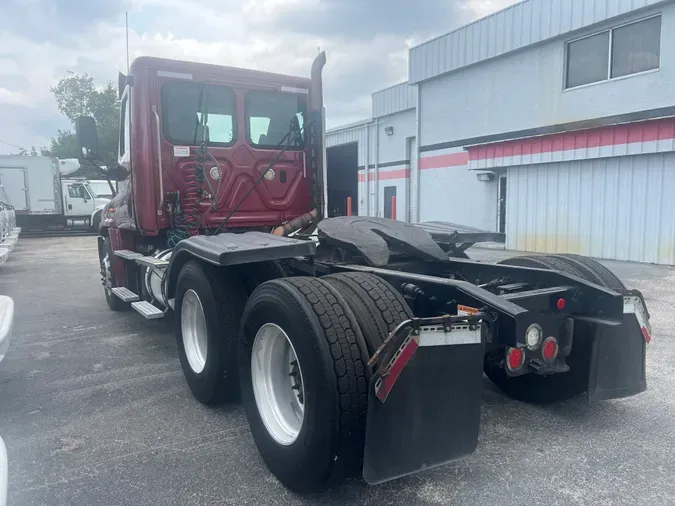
{"points": [[618, 357]]}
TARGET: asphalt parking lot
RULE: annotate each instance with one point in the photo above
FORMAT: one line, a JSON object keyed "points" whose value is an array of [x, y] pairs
{"points": [[95, 411]]}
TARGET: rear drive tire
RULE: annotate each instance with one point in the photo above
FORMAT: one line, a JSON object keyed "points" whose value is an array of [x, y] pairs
{"points": [[535, 389], [109, 278], [208, 308], [96, 221], [594, 271], [312, 322], [377, 306]]}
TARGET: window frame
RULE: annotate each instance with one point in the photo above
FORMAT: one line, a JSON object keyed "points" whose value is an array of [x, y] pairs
{"points": [[301, 109], [125, 126], [610, 58], [177, 142]]}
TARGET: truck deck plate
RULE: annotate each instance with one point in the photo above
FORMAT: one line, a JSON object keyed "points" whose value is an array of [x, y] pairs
{"points": [[151, 262], [378, 239], [127, 254]]}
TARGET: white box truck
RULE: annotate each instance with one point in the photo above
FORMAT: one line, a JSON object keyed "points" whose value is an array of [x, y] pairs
{"points": [[45, 199]]}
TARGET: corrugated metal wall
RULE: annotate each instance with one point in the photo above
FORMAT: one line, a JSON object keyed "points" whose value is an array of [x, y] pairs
{"points": [[617, 208], [524, 90], [356, 133], [527, 22], [449, 191], [383, 159], [639, 138], [394, 99]]}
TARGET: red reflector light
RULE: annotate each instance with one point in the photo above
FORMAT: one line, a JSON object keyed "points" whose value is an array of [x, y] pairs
{"points": [[515, 358], [561, 304], [550, 349], [645, 333]]}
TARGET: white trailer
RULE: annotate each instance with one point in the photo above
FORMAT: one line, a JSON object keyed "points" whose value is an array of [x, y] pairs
{"points": [[43, 199]]}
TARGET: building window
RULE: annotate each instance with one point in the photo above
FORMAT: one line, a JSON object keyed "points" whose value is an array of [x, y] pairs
{"points": [[636, 47], [621, 51], [587, 60]]}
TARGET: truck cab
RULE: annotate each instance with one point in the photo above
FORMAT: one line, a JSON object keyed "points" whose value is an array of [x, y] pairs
{"points": [[196, 143], [79, 201]]}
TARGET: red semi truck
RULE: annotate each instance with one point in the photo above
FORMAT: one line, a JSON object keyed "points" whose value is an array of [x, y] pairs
{"points": [[356, 344]]}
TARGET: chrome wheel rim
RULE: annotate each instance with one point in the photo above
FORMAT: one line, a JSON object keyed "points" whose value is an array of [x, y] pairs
{"points": [[108, 274], [193, 329], [277, 384]]}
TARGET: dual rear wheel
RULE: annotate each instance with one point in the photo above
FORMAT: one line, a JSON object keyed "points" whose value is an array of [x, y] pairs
{"points": [[297, 353]]}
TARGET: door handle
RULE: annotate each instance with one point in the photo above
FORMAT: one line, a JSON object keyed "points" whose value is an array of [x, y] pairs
{"points": [[70, 207]]}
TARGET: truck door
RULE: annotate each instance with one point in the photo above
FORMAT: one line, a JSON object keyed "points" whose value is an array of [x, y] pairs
{"points": [[13, 179], [77, 199]]}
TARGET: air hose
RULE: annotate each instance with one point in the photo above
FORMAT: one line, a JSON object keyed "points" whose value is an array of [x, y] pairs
{"points": [[186, 216]]}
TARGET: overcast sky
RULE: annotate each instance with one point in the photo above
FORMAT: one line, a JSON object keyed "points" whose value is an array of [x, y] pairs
{"points": [[366, 42]]}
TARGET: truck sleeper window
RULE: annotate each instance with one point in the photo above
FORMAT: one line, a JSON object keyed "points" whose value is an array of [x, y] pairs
{"points": [[268, 117], [183, 106]]}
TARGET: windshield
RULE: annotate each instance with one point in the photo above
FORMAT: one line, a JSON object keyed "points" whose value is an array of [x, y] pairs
{"points": [[100, 189], [269, 115]]}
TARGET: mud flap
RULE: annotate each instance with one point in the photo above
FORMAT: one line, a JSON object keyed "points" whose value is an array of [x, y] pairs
{"points": [[619, 352], [425, 397]]}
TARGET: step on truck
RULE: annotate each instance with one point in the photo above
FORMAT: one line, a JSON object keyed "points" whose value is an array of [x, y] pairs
{"points": [[45, 199], [357, 345]]}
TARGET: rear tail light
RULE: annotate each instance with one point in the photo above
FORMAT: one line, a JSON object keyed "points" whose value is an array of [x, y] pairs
{"points": [[561, 304], [515, 358], [550, 349]]}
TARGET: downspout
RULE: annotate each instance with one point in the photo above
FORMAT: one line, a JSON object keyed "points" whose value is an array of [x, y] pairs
{"points": [[377, 167], [418, 134], [367, 163]]}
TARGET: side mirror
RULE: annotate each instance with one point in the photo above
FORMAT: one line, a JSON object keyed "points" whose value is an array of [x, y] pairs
{"points": [[117, 173], [87, 137]]}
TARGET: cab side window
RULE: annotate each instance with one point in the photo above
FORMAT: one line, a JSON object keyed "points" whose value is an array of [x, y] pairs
{"points": [[76, 191]]}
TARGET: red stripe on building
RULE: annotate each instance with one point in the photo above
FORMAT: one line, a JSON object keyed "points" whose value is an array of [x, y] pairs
{"points": [[386, 174], [646, 131], [395, 174], [443, 161]]}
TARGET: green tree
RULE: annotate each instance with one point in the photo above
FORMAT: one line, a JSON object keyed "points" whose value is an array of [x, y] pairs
{"points": [[24, 152], [77, 95], [64, 145]]}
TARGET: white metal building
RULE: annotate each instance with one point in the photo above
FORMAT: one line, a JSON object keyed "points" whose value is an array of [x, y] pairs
{"points": [[551, 120]]}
